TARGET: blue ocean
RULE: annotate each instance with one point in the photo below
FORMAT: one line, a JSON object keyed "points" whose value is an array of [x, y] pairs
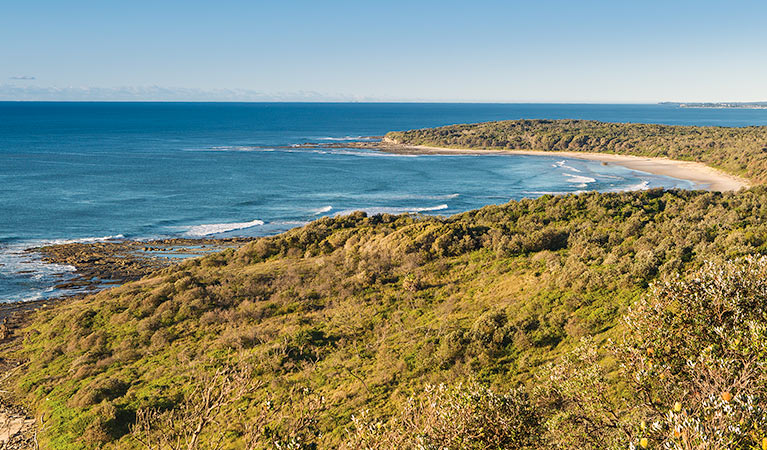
{"points": [[98, 171]]}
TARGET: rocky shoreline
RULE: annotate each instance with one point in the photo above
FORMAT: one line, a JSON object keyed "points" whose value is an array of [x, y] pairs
{"points": [[103, 264], [98, 265]]}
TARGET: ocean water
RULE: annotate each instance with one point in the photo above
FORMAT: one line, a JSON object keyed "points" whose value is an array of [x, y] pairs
{"points": [[97, 171]]}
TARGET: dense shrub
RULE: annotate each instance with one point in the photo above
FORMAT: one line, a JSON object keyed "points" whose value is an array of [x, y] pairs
{"points": [[691, 369], [461, 416]]}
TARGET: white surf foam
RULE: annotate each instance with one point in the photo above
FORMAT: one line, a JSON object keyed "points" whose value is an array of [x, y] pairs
{"points": [[429, 208], [373, 154], [644, 185], [84, 240], [405, 197], [16, 259], [393, 210], [640, 187], [322, 210], [301, 148], [345, 138], [579, 178], [29, 277], [563, 164], [234, 148], [547, 192], [217, 228]]}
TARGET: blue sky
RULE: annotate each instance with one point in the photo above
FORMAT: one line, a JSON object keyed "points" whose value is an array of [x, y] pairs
{"points": [[506, 51]]}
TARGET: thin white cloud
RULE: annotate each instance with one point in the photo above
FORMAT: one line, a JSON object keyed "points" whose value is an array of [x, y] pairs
{"points": [[158, 93]]}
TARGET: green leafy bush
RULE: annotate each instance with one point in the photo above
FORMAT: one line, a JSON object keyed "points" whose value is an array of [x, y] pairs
{"points": [[690, 372], [460, 416]]}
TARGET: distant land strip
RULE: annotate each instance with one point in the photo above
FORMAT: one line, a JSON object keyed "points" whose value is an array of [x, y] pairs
{"points": [[719, 105]]}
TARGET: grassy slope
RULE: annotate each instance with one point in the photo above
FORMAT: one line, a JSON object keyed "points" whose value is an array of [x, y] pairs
{"points": [[363, 310], [741, 151]]}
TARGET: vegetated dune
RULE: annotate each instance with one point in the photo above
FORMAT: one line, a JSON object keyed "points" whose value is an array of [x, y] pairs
{"points": [[319, 336]]}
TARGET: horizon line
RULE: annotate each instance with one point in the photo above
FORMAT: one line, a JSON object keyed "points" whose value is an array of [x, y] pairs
{"points": [[468, 102]]}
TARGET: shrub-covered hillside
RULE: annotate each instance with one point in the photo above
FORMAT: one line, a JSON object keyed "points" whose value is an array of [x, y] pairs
{"points": [[281, 342], [742, 151]]}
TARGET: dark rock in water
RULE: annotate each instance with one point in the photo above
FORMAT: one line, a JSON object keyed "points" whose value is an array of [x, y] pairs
{"points": [[104, 264]]}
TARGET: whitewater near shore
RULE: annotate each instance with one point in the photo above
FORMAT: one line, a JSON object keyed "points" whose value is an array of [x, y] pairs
{"points": [[704, 177]]}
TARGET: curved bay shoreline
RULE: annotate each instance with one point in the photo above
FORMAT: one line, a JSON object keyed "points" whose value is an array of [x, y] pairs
{"points": [[705, 177]]}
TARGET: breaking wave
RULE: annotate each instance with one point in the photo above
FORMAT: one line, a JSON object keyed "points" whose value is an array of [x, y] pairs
{"points": [[579, 179], [563, 164], [217, 228], [234, 148], [393, 210], [346, 138], [85, 240], [636, 187]]}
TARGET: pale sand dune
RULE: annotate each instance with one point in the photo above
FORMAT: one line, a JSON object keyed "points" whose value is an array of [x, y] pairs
{"points": [[703, 176]]}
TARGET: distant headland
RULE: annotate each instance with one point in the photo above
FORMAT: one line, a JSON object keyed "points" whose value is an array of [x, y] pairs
{"points": [[719, 105]]}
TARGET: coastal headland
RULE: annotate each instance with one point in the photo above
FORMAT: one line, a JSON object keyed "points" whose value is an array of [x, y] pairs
{"points": [[302, 334]]}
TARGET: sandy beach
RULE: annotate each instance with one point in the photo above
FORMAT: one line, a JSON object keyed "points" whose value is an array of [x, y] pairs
{"points": [[703, 176]]}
